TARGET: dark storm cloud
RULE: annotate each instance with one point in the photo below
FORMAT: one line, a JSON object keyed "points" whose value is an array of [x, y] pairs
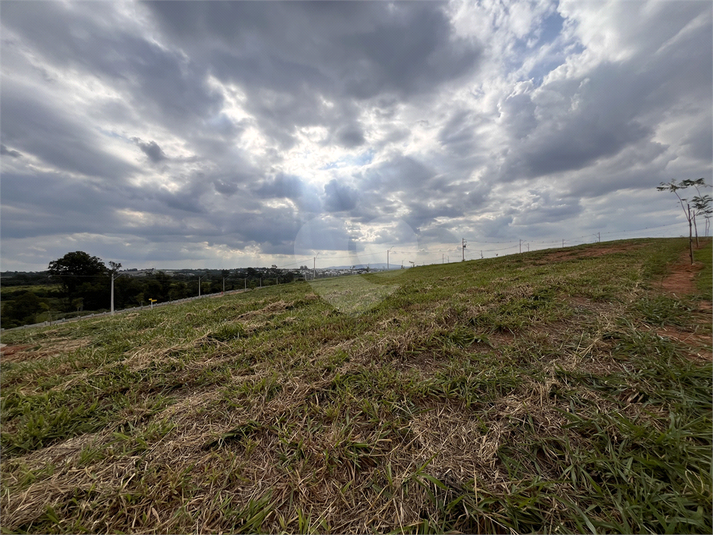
{"points": [[288, 56], [150, 149], [274, 227], [291, 187], [364, 49], [47, 204], [282, 186], [698, 142], [160, 82], [543, 207], [9, 152], [458, 134], [404, 182], [577, 144], [520, 118], [398, 173], [32, 124], [339, 197], [323, 233], [350, 136], [226, 188]]}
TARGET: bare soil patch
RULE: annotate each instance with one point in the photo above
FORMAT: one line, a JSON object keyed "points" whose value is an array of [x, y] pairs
{"points": [[682, 279], [13, 353]]}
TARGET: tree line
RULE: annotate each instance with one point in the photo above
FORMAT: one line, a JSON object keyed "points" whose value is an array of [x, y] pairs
{"points": [[79, 283]]}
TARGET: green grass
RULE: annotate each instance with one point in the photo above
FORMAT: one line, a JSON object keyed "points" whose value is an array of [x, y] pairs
{"points": [[705, 277], [546, 391], [18, 290]]}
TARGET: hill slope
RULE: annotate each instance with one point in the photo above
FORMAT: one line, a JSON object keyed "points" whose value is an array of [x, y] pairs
{"points": [[562, 391]]}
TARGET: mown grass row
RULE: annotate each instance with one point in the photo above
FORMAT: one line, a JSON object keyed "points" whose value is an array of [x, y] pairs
{"points": [[527, 393]]}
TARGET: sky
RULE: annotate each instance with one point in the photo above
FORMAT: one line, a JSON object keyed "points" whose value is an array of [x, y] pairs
{"points": [[233, 134]]}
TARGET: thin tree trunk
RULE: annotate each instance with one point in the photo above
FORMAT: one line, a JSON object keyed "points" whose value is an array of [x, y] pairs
{"points": [[690, 233], [696, 229]]}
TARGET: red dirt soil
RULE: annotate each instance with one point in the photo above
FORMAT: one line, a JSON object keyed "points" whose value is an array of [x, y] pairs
{"points": [[682, 281], [13, 353]]}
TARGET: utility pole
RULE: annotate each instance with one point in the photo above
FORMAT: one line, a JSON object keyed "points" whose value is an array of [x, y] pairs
{"points": [[463, 244], [528, 247], [520, 246], [387, 258], [314, 268], [599, 237], [443, 258], [413, 264], [223, 284], [563, 244], [246, 282], [115, 268], [481, 254], [113, 277], [199, 286]]}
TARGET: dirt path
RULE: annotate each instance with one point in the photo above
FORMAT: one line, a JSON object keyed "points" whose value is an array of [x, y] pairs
{"points": [[682, 281]]}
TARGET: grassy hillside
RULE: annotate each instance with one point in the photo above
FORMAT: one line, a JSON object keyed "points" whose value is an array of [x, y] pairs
{"points": [[559, 391]]}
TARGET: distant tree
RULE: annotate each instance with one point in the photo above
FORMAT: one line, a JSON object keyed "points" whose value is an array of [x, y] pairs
{"points": [[75, 269], [47, 308], [702, 206], [702, 202], [22, 310], [164, 281]]}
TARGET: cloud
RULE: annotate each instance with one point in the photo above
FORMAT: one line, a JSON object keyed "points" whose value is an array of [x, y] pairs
{"points": [[9, 152], [150, 149], [350, 136], [339, 197], [490, 121], [54, 136]]}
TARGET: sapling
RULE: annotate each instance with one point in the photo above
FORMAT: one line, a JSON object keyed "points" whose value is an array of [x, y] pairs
{"points": [[701, 205]]}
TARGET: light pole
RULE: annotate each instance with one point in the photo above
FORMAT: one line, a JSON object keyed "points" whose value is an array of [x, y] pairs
{"points": [[387, 258], [314, 266], [114, 276]]}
